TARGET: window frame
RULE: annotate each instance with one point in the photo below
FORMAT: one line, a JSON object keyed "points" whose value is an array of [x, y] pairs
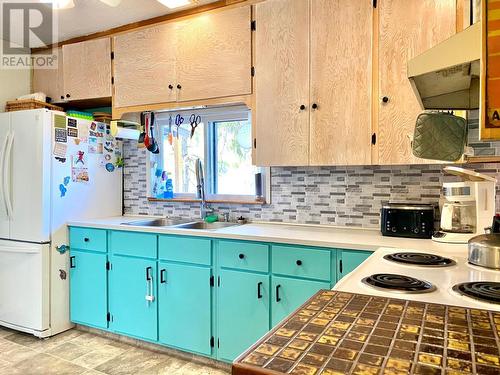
{"points": [[210, 116]]}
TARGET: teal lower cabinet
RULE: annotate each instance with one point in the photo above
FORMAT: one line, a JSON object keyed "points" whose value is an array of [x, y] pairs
{"points": [[348, 260], [133, 297], [184, 307], [243, 311], [289, 293], [88, 288]]}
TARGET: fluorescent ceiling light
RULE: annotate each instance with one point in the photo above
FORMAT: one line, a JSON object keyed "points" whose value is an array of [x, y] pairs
{"points": [[175, 3]]}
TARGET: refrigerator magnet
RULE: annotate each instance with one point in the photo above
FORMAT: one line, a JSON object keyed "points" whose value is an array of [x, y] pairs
{"points": [[73, 132], [72, 122], [60, 135]]}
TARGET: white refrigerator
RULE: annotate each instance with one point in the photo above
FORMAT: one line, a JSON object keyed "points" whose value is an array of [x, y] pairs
{"points": [[53, 169]]}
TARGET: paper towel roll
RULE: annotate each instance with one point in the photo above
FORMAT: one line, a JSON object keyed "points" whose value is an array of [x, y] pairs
{"points": [[124, 130]]}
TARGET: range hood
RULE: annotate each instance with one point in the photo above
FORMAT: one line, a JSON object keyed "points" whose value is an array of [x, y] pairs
{"points": [[447, 76]]}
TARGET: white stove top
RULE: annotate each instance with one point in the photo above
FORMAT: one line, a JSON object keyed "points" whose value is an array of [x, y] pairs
{"points": [[443, 278]]}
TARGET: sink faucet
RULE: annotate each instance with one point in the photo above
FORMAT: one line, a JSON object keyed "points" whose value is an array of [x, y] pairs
{"points": [[200, 190]]}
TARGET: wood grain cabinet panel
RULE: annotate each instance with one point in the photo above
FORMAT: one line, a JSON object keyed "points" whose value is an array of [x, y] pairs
{"points": [[407, 28], [214, 55], [50, 81], [341, 75], [282, 82], [144, 66], [87, 69]]}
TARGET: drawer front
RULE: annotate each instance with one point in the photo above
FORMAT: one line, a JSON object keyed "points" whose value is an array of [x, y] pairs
{"points": [[88, 239], [244, 256], [136, 244], [185, 249], [301, 262]]}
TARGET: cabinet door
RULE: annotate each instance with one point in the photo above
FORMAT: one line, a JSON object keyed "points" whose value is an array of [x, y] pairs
{"points": [[349, 260], [282, 82], [341, 77], [407, 28], [144, 66], [214, 55], [50, 81], [87, 69], [288, 294], [88, 289], [184, 307], [243, 313], [131, 280]]}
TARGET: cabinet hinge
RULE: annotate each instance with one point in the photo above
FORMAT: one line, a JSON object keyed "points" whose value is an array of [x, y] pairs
{"points": [[212, 342], [218, 280], [112, 80], [212, 281], [340, 266], [252, 71], [253, 25], [108, 266], [374, 138], [374, 3], [112, 55], [108, 317]]}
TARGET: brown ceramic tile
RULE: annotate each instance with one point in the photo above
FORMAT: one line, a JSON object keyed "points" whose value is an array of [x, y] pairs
{"points": [[279, 364]]}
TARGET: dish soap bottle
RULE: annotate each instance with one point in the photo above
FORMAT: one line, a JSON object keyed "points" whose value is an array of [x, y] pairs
{"points": [[169, 189]]}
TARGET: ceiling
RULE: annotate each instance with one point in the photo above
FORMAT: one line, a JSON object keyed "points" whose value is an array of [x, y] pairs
{"points": [[90, 16]]}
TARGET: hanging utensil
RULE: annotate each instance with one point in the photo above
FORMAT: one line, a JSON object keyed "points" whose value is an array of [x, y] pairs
{"points": [[194, 121], [143, 126], [153, 146], [170, 137], [179, 120], [147, 140]]}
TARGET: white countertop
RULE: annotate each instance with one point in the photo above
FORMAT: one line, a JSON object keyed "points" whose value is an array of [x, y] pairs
{"points": [[308, 235]]}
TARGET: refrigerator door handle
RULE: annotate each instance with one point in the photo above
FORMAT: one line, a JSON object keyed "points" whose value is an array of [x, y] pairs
{"points": [[2, 168], [6, 176]]}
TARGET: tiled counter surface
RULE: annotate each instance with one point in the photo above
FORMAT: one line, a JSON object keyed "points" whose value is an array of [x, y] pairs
{"points": [[307, 235], [342, 333]]}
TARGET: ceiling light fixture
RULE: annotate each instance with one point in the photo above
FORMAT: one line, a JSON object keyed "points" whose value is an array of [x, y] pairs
{"points": [[175, 3]]}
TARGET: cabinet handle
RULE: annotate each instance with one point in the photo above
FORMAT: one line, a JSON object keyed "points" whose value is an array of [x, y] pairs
{"points": [[62, 97], [385, 99], [162, 276], [341, 268], [299, 262], [259, 291], [72, 262], [148, 273], [86, 239], [241, 256], [278, 299], [68, 95], [171, 87], [314, 106], [179, 86], [302, 107]]}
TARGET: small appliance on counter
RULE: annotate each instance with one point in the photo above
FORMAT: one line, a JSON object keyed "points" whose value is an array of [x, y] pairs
{"points": [[468, 208], [407, 220], [484, 250]]}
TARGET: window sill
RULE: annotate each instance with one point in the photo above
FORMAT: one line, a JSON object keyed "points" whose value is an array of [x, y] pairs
{"points": [[191, 200]]}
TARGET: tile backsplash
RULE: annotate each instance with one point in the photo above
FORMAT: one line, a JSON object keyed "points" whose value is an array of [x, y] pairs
{"points": [[343, 196]]}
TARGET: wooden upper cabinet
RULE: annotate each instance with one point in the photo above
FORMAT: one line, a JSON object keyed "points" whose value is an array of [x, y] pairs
{"points": [[144, 66], [50, 81], [214, 55], [87, 69], [282, 82], [341, 77], [407, 28]]}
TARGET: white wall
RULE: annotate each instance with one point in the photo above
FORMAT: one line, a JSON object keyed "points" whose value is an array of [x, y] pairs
{"points": [[13, 83]]}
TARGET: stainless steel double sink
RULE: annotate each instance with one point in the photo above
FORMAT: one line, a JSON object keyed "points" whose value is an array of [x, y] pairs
{"points": [[180, 224]]}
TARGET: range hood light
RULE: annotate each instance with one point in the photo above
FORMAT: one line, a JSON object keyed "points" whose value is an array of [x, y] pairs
{"points": [[175, 3]]}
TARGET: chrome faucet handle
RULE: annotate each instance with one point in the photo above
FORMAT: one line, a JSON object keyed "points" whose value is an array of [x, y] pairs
{"points": [[226, 216]]}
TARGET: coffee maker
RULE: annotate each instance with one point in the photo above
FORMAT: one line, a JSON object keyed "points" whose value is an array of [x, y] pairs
{"points": [[468, 206]]}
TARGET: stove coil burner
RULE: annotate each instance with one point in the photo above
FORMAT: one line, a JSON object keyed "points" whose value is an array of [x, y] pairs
{"points": [[480, 290], [398, 283], [420, 259]]}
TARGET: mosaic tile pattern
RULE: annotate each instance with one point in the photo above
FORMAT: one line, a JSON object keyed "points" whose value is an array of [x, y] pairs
{"points": [[342, 196], [343, 333]]}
